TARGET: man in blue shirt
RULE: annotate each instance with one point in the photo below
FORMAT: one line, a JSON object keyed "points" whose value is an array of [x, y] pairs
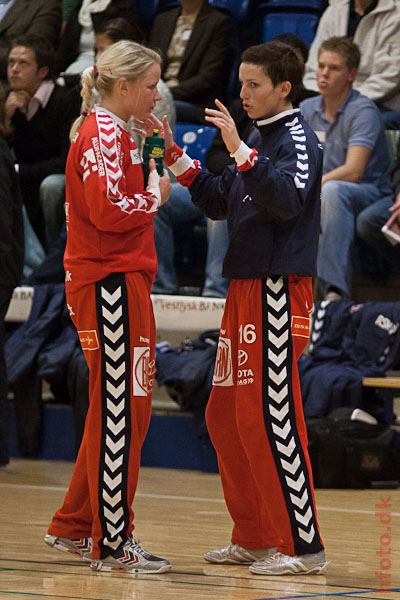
{"points": [[356, 169]]}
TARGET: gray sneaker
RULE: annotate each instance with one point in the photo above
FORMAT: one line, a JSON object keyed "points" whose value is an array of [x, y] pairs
{"points": [[131, 557], [282, 564], [236, 555], [82, 547]]}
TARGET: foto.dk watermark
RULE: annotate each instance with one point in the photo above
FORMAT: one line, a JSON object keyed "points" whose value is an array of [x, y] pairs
{"points": [[383, 512]]}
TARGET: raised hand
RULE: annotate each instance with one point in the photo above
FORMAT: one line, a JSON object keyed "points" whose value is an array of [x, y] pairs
{"points": [[221, 118]]}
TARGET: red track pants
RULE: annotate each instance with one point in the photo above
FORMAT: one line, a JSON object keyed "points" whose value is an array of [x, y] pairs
{"points": [[255, 416], [114, 319]]}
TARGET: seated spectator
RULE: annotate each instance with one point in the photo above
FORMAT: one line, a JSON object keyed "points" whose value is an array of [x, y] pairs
{"points": [[356, 170], [374, 26], [114, 30], [18, 17], [76, 49], [369, 225], [11, 257], [196, 43], [40, 113]]}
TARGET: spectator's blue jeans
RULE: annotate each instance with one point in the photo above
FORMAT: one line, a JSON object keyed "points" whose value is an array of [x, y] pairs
{"points": [[180, 211], [341, 202], [52, 199]]}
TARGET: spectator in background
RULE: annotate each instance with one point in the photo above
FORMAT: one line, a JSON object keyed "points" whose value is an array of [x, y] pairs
{"points": [[386, 255], [76, 50], [114, 30], [196, 44], [374, 26], [27, 17], [11, 257], [40, 113], [356, 160]]}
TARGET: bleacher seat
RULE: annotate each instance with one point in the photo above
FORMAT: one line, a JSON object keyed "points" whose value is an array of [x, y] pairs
{"points": [[148, 9], [238, 8], [294, 4], [195, 139], [302, 24]]}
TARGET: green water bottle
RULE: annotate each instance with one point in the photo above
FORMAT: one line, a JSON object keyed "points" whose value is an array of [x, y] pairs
{"points": [[154, 147]]}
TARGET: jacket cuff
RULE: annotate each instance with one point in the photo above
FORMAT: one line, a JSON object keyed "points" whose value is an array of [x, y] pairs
{"points": [[245, 157]]}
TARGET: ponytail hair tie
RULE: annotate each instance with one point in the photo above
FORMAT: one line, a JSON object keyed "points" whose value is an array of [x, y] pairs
{"points": [[84, 114], [96, 72]]}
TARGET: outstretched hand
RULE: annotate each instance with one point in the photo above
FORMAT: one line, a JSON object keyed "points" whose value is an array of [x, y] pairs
{"points": [[221, 118], [147, 126]]}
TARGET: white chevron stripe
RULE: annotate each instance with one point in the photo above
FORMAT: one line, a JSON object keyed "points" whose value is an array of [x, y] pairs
{"points": [[307, 537], [281, 431], [302, 156], [296, 484], [115, 428], [278, 341], [296, 127], [304, 520], [115, 446], [277, 378], [112, 543], [292, 123], [303, 175], [318, 324], [109, 138], [115, 373], [115, 409], [321, 314], [277, 305], [277, 359], [113, 336], [115, 391], [113, 531], [299, 184], [275, 287], [111, 298], [112, 317], [278, 396], [113, 464], [114, 354], [299, 138], [286, 449], [302, 167], [279, 414], [300, 502], [302, 147], [291, 467], [112, 482], [113, 517], [278, 323], [112, 500]]}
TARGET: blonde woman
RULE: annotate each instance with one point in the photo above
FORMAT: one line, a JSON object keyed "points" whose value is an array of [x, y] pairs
{"points": [[110, 263]]}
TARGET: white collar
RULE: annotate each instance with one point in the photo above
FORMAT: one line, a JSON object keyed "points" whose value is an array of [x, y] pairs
{"points": [[123, 124], [285, 113]]}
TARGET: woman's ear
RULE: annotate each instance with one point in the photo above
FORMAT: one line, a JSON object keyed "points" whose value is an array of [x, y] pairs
{"points": [[286, 86]]}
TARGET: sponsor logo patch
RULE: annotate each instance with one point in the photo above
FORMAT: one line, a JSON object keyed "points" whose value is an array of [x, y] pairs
{"points": [[301, 326], [89, 339], [143, 371], [223, 363]]}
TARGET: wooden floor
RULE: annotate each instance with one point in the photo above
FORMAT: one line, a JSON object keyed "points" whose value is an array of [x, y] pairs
{"points": [[180, 515]]}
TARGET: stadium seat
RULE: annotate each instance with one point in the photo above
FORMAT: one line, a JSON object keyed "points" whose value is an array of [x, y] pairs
{"points": [[148, 9], [238, 8], [294, 4], [195, 139], [302, 24]]}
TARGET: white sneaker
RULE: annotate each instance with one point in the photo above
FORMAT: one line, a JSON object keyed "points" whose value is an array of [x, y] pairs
{"points": [[236, 555], [82, 547], [282, 564], [131, 557]]}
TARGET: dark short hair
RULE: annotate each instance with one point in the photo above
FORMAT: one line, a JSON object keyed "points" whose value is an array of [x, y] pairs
{"points": [[45, 55], [345, 47], [121, 29], [279, 62]]}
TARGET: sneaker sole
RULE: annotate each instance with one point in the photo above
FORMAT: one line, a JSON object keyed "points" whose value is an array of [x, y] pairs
{"points": [[227, 561], [312, 571], [52, 541], [98, 565]]}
